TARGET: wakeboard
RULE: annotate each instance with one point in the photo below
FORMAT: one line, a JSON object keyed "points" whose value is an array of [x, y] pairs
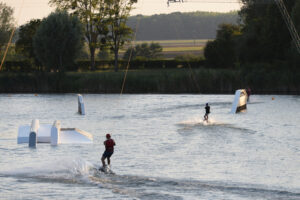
{"points": [[106, 170]]}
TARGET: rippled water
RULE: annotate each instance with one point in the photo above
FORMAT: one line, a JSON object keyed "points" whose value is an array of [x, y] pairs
{"points": [[164, 151]]}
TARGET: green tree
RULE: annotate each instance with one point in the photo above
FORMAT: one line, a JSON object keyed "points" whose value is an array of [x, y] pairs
{"points": [[6, 23], [222, 51], [119, 32], [265, 37], [104, 54], [296, 15], [144, 50], [58, 40], [155, 50], [296, 18], [92, 14], [211, 54], [24, 44], [130, 52]]}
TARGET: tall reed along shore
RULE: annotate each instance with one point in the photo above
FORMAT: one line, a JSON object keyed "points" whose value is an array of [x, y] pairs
{"points": [[168, 81]]}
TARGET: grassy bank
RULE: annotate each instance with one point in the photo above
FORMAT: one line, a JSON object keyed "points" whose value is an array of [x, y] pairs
{"points": [[153, 81]]}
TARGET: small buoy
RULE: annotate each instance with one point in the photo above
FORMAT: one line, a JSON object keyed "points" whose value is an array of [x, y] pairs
{"points": [[273, 98], [35, 95]]}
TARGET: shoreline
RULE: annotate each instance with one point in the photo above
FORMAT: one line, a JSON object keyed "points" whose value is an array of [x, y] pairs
{"points": [[83, 93]]}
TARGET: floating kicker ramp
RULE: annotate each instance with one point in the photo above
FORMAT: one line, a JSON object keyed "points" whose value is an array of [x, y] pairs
{"points": [[53, 134], [240, 101]]}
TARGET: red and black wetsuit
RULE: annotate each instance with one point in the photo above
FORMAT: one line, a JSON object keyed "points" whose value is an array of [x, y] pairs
{"points": [[109, 148]]}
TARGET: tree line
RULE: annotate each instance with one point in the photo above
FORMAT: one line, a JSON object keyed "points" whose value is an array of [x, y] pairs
{"points": [[6, 23], [56, 40], [178, 26], [261, 39]]}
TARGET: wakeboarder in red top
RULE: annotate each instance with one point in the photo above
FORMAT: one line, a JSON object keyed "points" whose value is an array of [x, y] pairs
{"points": [[109, 150]]}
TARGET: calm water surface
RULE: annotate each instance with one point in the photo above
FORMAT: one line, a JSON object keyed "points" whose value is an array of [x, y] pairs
{"points": [[164, 151]]}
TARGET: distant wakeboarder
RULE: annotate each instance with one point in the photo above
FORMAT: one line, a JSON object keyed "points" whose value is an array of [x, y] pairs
{"points": [[207, 111], [109, 150]]}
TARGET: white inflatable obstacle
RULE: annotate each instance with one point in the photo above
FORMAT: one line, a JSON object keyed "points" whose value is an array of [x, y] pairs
{"points": [[240, 101], [33, 133], [81, 109], [54, 134]]}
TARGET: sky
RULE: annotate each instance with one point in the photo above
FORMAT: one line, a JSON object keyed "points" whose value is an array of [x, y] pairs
{"points": [[25, 10]]}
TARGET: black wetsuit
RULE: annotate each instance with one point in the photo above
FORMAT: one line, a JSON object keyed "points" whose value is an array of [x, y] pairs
{"points": [[207, 110]]}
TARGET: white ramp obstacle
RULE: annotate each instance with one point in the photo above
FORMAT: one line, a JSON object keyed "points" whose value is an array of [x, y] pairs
{"points": [[53, 134], [240, 101], [81, 109], [74, 135]]}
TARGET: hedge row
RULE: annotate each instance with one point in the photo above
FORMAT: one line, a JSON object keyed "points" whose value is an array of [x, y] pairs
{"points": [[19, 66], [84, 65], [202, 80]]}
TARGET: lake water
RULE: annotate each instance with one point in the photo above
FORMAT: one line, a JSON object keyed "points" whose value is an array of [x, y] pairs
{"points": [[163, 151]]}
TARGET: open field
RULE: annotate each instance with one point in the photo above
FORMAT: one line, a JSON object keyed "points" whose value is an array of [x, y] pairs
{"points": [[195, 42], [173, 48], [183, 49]]}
